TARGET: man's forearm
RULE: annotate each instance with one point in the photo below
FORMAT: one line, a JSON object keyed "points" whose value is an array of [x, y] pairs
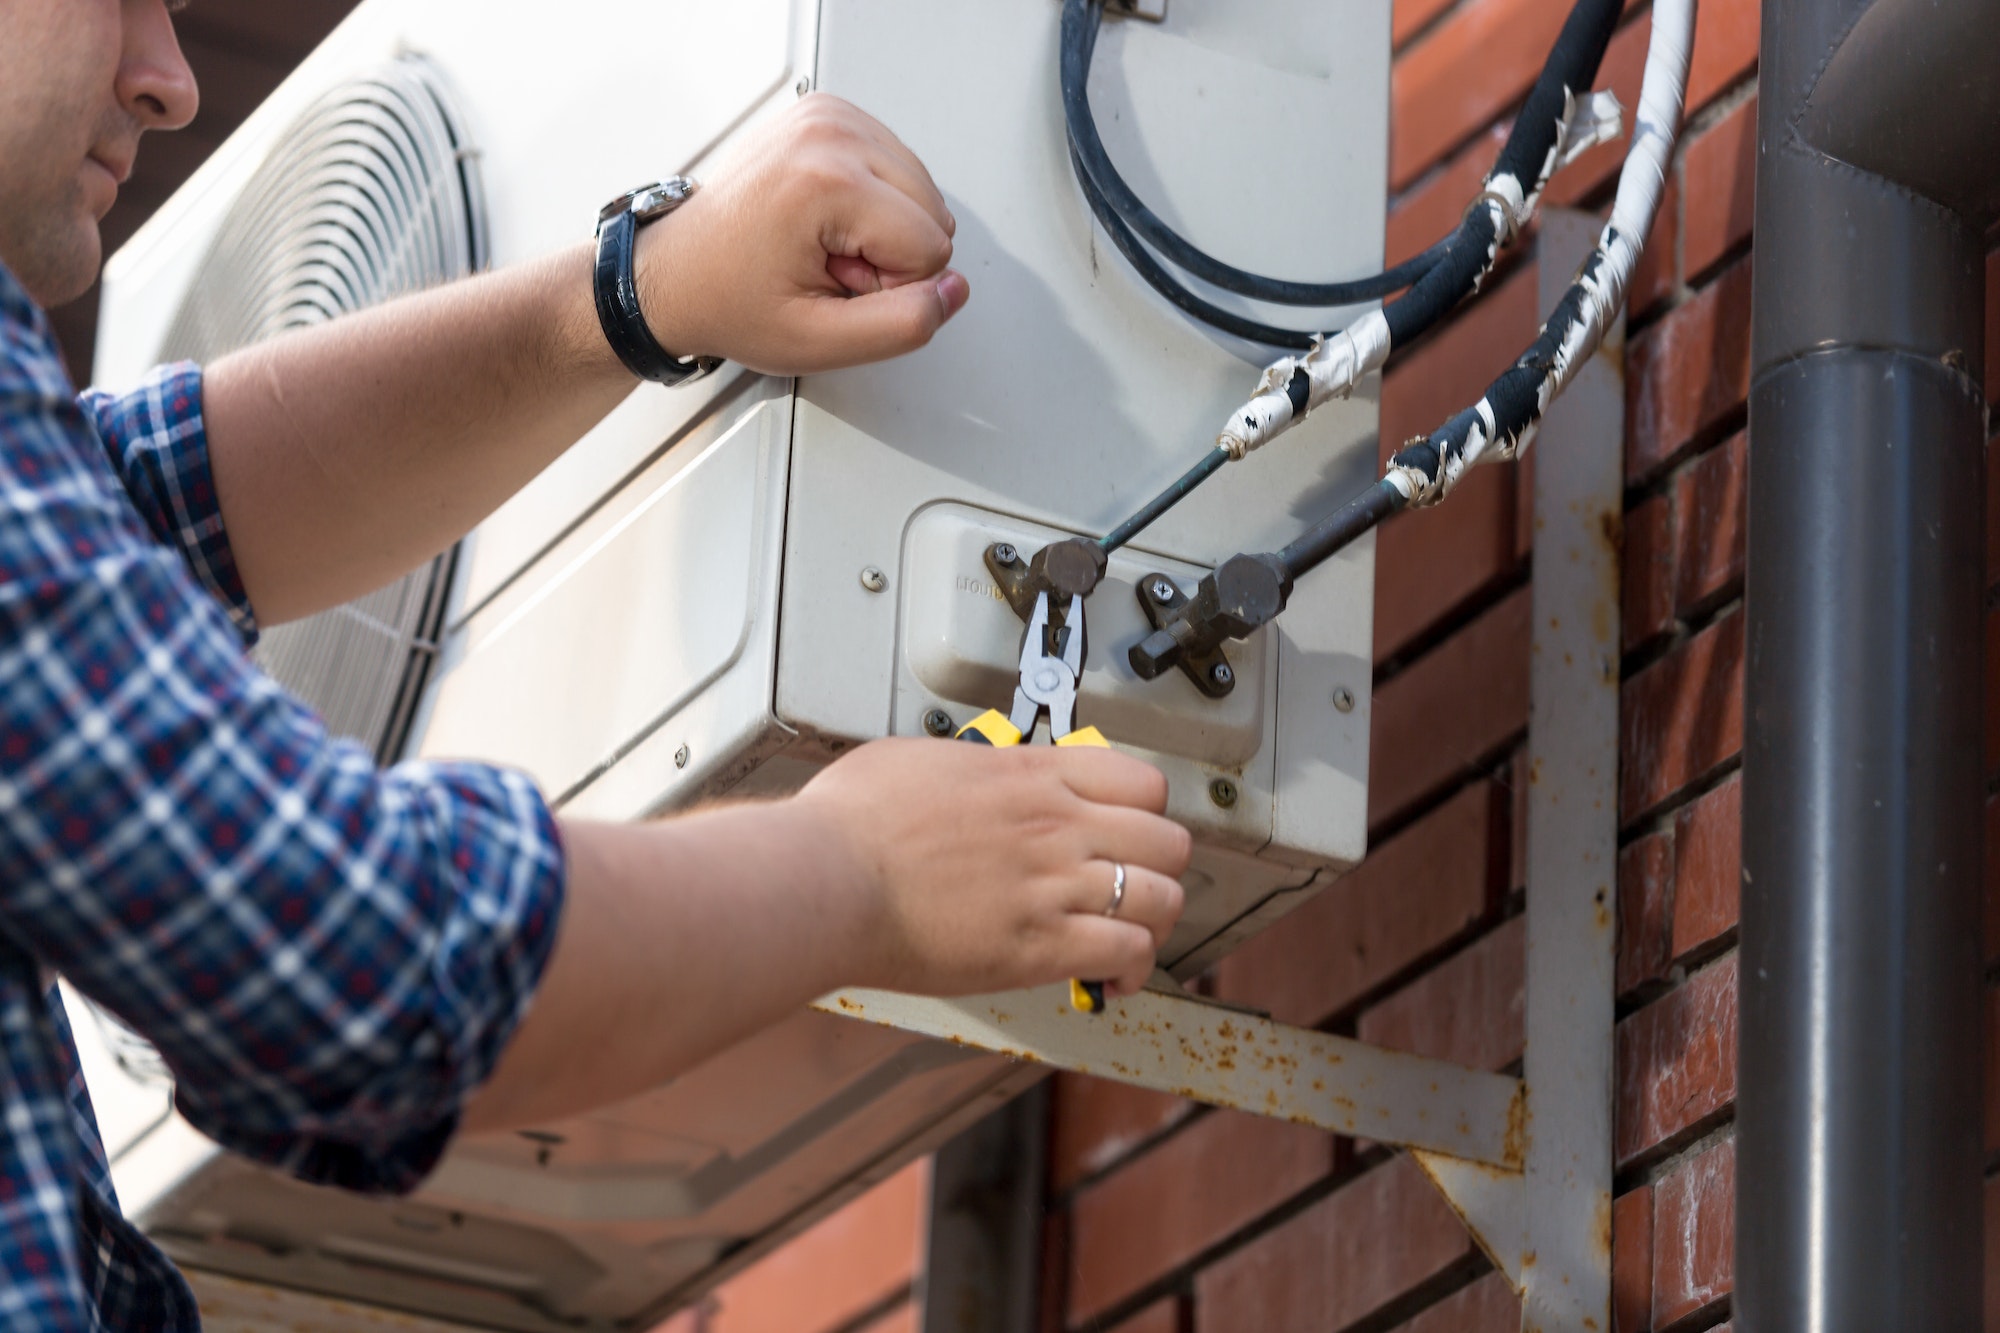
{"points": [[920, 866], [677, 941], [347, 454]]}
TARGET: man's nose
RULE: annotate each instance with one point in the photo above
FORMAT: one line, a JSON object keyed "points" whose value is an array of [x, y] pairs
{"points": [[155, 84]]}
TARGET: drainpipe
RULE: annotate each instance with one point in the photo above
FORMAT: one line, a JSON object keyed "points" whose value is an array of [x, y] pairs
{"points": [[1859, 1146]]}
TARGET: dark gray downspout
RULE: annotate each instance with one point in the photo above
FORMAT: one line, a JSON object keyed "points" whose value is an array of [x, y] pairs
{"points": [[1859, 1124]]}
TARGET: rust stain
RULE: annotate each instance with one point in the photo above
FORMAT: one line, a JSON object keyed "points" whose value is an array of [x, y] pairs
{"points": [[849, 1005], [1227, 1031], [1515, 1146], [1319, 1085], [1603, 620], [1611, 529], [1600, 1231], [1527, 1260]]}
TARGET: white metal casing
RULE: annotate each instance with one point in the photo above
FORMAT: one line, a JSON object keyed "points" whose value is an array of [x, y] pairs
{"points": [[675, 609]]}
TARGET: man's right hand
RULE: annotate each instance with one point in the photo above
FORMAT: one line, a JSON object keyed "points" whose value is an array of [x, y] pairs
{"points": [[820, 242], [927, 867], [991, 870]]}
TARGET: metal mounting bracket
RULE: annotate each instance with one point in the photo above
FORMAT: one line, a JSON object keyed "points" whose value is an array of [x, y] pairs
{"points": [[1525, 1162]]}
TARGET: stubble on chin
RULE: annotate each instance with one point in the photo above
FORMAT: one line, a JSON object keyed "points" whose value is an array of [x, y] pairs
{"points": [[58, 250]]}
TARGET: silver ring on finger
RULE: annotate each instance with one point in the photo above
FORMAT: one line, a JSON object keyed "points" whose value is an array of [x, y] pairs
{"points": [[1117, 888]]}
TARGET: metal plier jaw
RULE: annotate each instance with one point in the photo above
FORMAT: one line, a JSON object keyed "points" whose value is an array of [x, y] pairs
{"points": [[1051, 663]]}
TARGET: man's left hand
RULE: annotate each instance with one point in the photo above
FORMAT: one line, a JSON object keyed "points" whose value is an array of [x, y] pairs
{"points": [[821, 242]]}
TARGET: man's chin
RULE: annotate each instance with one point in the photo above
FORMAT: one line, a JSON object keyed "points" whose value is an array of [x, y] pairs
{"points": [[63, 266]]}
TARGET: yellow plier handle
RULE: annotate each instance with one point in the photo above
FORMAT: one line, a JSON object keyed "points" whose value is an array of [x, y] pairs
{"points": [[993, 727]]}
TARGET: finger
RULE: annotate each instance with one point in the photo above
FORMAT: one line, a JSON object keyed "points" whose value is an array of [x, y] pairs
{"points": [[1135, 838], [891, 231], [898, 166], [853, 330], [1111, 778], [1152, 900], [857, 276], [1117, 953]]}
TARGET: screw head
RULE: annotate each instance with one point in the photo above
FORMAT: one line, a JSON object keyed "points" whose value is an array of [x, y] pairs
{"points": [[681, 757], [1161, 590], [1005, 553], [1222, 675], [803, 86], [938, 723], [873, 579], [1223, 792], [1343, 699]]}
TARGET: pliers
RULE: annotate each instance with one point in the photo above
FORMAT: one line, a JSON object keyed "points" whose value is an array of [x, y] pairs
{"points": [[1051, 662]]}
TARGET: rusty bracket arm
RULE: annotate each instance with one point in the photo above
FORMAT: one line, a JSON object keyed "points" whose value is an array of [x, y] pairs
{"points": [[1187, 1047]]}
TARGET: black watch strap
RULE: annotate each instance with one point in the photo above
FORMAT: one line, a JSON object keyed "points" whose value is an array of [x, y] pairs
{"points": [[625, 328]]}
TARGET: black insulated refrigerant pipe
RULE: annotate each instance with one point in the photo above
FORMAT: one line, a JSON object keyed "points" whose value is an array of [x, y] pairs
{"points": [[1859, 1125]]}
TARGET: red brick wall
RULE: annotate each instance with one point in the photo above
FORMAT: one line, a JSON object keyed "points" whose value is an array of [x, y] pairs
{"points": [[854, 1272], [1182, 1220]]}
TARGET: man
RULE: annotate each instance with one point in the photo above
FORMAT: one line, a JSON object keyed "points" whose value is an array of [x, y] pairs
{"points": [[345, 967]]}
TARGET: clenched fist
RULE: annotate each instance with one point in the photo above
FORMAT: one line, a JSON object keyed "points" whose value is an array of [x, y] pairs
{"points": [[821, 242]]}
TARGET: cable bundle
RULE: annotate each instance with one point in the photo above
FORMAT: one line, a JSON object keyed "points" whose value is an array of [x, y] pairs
{"points": [[1505, 419], [1503, 422], [1560, 120]]}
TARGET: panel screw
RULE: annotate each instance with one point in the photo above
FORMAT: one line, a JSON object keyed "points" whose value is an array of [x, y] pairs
{"points": [[1223, 792], [938, 723], [1222, 675], [803, 86], [681, 757], [1006, 554], [1162, 590], [1343, 699], [874, 579]]}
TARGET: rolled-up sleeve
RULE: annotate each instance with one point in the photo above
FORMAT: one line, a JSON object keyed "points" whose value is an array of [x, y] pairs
{"points": [[155, 438], [330, 957]]}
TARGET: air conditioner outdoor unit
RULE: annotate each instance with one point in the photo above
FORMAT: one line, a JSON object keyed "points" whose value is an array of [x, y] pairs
{"points": [[721, 589]]}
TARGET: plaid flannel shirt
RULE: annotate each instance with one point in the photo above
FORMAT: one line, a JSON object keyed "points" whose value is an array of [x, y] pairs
{"points": [[330, 957]]}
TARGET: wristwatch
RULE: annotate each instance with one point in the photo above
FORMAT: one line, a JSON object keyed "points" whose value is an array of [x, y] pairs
{"points": [[617, 288]]}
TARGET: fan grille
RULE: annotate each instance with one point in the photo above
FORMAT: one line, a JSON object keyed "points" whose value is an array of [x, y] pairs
{"points": [[372, 194]]}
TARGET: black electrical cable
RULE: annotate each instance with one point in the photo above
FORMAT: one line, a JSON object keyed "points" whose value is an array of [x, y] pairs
{"points": [[1180, 297], [1095, 172]]}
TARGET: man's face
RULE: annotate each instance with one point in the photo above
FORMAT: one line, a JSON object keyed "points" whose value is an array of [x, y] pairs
{"points": [[80, 81]]}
